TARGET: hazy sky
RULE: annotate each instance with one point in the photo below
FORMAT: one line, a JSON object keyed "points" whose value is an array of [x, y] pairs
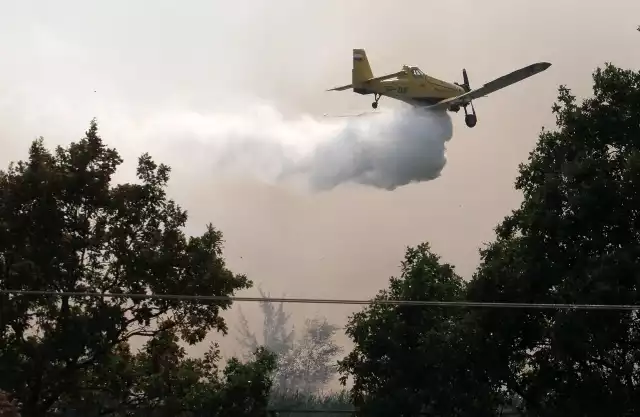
{"points": [[135, 64]]}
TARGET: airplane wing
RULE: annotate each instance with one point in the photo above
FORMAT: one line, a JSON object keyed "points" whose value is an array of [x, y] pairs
{"points": [[492, 86], [381, 78], [341, 88]]}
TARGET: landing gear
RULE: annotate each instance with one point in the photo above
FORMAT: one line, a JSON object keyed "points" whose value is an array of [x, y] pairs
{"points": [[376, 98], [470, 119]]}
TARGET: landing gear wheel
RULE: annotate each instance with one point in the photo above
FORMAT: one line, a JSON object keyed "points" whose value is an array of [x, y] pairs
{"points": [[470, 120], [375, 103]]}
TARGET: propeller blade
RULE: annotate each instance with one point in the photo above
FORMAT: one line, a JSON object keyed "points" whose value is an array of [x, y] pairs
{"points": [[465, 79]]}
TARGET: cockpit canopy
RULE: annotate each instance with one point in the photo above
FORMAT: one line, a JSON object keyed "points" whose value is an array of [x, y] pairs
{"points": [[415, 71]]}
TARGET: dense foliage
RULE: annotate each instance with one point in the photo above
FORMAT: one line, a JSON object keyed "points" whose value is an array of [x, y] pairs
{"points": [[573, 240], [410, 360], [64, 227]]}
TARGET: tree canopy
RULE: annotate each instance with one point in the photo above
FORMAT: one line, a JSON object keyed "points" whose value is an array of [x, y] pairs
{"points": [[410, 360], [65, 228], [574, 239]]}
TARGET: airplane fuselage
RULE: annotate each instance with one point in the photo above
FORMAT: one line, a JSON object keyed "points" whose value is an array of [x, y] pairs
{"points": [[412, 87]]}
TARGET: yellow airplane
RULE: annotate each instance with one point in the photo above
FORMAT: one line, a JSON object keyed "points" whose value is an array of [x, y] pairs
{"points": [[418, 89]]}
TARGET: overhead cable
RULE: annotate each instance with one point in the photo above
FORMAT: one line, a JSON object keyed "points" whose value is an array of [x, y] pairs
{"points": [[413, 303]]}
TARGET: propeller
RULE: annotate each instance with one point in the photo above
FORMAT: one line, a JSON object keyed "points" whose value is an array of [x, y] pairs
{"points": [[465, 78]]}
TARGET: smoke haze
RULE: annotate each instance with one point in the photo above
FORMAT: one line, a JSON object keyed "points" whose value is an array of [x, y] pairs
{"points": [[176, 82], [383, 150]]}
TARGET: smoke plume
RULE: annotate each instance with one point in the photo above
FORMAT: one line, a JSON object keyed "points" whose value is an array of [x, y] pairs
{"points": [[383, 150]]}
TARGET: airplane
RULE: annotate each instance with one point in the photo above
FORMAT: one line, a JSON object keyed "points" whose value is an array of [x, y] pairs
{"points": [[418, 89]]}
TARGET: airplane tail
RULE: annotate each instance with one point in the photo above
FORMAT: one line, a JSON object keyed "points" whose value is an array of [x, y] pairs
{"points": [[361, 71]]}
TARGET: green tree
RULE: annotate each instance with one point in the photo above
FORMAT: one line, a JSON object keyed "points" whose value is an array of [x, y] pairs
{"points": [[407, 360], [155, 381], [574, 239], [161, 380], [65, 227]]}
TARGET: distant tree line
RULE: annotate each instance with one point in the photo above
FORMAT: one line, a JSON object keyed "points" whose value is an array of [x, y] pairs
{"points": [[304, 364]]}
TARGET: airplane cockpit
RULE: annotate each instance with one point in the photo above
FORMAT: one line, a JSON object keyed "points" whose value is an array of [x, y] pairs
{"points": [[413, 71]]}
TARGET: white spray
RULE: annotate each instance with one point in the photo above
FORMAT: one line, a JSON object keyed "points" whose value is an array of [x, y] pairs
{"points": [[386, 150]]}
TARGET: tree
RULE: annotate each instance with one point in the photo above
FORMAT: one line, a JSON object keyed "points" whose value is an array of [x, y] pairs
{"points": [[407, 360], [161, 380], [64, 227], [310, 363], [305, 364], [574, 239], [275, 333]]}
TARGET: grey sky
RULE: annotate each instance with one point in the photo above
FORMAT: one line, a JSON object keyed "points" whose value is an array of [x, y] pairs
{"points": [[126, 63]]}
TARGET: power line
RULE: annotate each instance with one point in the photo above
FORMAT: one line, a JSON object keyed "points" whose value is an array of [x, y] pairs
{"points": [[414, 303]]}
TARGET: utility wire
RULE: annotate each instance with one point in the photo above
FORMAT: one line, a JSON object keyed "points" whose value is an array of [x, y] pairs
{"points": [[413, 303]]}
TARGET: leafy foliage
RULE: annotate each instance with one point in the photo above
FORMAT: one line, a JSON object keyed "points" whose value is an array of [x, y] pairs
{"points": [[573, 240], [64, 227], [162, 380], [411, 360]]}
